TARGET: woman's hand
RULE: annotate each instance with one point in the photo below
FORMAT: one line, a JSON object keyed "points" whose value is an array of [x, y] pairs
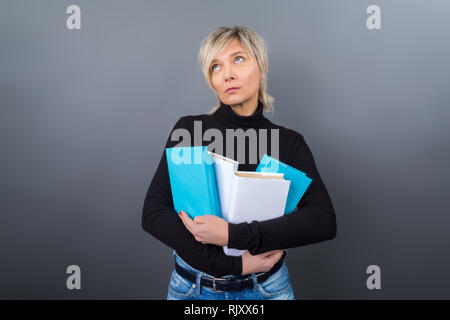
{"points": [[207, 229], [260, 263]]}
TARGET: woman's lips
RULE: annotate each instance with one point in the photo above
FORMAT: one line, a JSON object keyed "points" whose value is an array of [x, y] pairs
{"points": [[231, 90]]}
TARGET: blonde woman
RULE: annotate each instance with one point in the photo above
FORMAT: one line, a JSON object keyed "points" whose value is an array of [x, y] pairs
{"points": [[234, 63]]}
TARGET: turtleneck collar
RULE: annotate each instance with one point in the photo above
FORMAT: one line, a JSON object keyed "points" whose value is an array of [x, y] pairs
{"points": [[225, 113]]}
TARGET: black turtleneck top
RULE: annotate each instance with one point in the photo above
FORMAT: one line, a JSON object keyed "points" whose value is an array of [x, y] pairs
{"points": [[313, 220]]}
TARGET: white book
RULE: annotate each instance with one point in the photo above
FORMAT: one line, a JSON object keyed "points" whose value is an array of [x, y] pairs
{"points": [[224, 169], [255, 196]]}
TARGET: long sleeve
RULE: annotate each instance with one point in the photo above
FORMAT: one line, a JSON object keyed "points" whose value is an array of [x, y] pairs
{"points": [[313, 221], [160, 219]]}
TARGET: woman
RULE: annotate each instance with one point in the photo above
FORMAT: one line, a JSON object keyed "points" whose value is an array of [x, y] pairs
{"points": [[234, 62]]}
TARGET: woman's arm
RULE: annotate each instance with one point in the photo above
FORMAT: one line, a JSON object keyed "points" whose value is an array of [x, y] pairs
{"points": [[161, 220], [214, 230], [313, 221]]}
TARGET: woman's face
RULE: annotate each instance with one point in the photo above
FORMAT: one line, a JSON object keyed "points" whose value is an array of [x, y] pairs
{"points": [[235, 67]]}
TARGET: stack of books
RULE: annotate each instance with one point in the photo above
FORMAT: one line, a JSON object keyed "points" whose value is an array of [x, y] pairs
{"points": [[204, 182]]}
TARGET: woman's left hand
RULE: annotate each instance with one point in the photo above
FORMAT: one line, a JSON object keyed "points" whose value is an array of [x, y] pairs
{"points": [[207, 229]]}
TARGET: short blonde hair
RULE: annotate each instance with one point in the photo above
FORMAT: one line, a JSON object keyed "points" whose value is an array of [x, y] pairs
{"points": [[252, 42]]}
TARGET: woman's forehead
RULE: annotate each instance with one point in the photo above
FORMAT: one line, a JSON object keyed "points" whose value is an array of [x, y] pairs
{"points": [[230, 49]]}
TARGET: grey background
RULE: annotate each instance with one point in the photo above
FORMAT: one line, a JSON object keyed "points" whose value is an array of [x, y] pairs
{"points": [[85, 115]]}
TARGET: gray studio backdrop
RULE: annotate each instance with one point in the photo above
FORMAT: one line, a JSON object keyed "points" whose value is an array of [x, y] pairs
{"points": [[85, 114]]}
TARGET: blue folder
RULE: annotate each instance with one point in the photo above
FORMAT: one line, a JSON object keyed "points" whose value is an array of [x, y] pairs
{"points": [[299, 181], [193, 181]]}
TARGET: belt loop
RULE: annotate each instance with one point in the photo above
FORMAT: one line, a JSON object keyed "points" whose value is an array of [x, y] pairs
{"points": [[198, 281], [255, 281]]}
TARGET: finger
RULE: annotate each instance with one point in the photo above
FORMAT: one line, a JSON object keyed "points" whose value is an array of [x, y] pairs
{"points": [[276, 257], [199, 219], [185, 220], [277, 253], [188, 218], [189, 223], [269, 253]]}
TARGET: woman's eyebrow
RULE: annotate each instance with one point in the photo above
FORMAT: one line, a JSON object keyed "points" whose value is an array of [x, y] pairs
{"points": [[232, 54]]}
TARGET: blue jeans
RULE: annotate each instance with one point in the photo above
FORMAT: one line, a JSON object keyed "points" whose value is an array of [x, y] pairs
{"points": [[276, 287]]}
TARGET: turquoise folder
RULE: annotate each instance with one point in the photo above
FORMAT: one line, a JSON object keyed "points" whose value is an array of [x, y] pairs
{"points": [[193, 181], [299, 181]]}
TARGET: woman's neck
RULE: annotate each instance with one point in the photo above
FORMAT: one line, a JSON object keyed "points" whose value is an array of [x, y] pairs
{"points": [[246, 108]]}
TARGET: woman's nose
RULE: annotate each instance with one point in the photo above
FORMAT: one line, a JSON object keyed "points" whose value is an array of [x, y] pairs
{"points": [[228, 72]]}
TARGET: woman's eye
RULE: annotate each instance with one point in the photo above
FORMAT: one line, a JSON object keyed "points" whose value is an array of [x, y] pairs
{"points": [[212, 68]]}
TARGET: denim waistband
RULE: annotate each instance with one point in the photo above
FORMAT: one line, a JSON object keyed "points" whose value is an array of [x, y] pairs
{"points": [[185, 265]]}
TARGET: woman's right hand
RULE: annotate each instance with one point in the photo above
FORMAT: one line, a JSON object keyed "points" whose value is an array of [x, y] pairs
{"points": [[260, 263]]}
